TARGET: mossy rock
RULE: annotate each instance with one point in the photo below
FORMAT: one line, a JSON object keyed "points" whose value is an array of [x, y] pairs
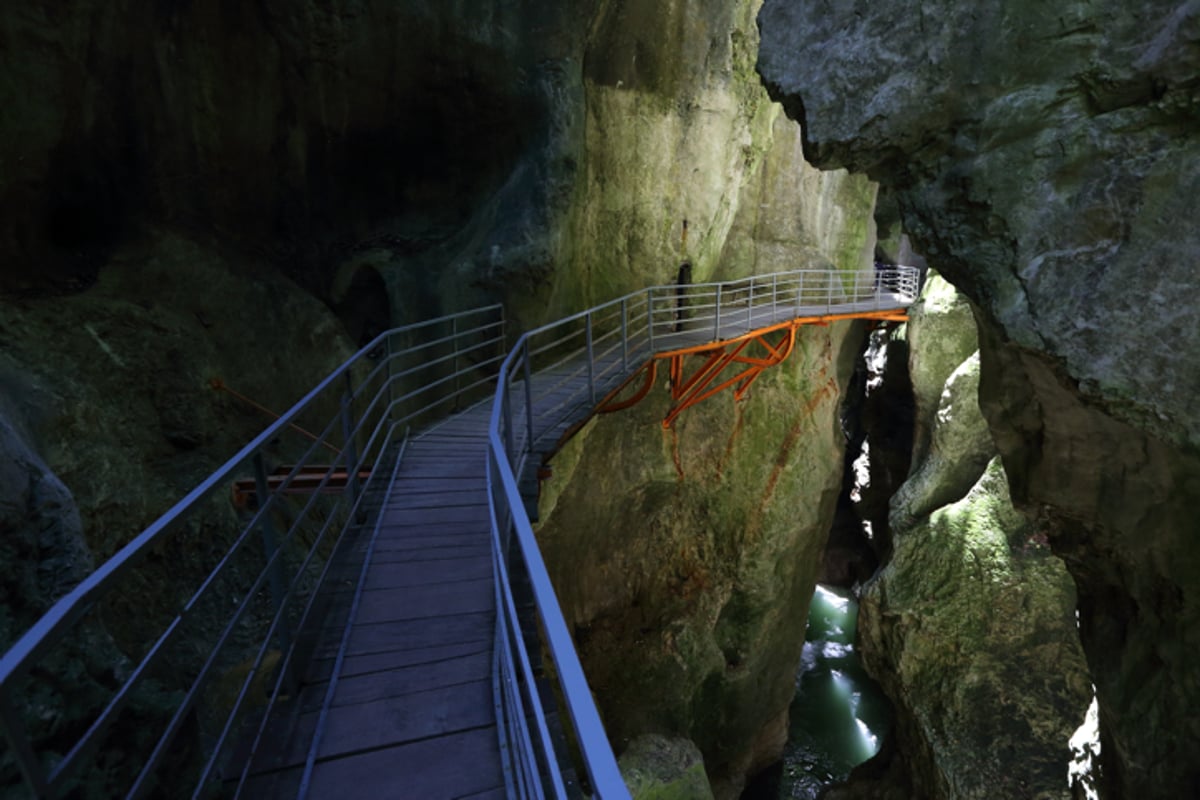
{"points": [[658, 768]]}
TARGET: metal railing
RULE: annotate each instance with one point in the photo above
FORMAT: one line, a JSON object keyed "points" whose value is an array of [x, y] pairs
{"points": [[150, 673], [552, 378], [178, 680]]}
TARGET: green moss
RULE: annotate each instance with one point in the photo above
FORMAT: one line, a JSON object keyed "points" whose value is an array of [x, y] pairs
{"points": [[971, 630], [658, 768]]}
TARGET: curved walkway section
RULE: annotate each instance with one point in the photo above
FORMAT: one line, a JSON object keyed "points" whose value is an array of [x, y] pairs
{"points": [[375, 626]]}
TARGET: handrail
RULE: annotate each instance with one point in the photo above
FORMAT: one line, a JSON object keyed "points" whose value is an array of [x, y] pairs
{"points": [[364, 404], [648, 321], [270, 572]]}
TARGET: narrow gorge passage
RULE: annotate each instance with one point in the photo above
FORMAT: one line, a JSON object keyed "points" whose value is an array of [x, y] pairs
{"points": [[839, 716], [251, 190]]}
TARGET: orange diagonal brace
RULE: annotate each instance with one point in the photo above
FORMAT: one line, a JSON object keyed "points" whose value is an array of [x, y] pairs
{"points": [[697, 387], [780, 353], [714, 363], [718, 356], [610, 402]]}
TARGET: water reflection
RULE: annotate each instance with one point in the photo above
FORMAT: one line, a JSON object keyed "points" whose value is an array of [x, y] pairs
{"points": [[839, 714]]}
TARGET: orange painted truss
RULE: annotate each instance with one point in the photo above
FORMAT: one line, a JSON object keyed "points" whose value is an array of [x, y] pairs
{"points": [[688, 390]]}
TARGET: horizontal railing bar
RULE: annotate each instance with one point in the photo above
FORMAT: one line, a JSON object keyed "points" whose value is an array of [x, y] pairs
{"points": [[286, 660], [395, 376], [71, 606]]}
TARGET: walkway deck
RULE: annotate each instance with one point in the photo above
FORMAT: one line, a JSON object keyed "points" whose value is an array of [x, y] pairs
{"points": [[386, 669], [411, 713]]}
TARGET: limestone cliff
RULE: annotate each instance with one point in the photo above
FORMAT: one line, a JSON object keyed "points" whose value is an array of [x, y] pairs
{"points": [[685, 559], [970, 626], [251, 190], [1045, 160]]}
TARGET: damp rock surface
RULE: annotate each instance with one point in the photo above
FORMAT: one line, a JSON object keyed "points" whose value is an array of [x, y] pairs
{"points": [[1044, 159]]}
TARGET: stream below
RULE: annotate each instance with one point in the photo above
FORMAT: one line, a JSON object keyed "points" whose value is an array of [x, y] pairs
{"points": [[839, 715]]}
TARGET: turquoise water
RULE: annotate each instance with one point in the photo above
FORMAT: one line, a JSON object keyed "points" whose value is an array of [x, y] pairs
{"points": [[839, 714]]}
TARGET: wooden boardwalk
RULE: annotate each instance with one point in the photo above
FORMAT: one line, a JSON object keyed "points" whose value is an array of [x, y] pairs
{"points": [[411, 713], [398, 700]]}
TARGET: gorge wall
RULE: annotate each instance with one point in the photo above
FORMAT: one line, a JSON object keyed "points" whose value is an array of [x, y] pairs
{"points": [[970, 625], [1045, 160], [250, 191]]}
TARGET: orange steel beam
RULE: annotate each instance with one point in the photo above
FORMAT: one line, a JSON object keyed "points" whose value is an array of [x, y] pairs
{"points": [[716, 362], [610, 404], [698, 387], [718, 356], [883, 316], [690, 391]]}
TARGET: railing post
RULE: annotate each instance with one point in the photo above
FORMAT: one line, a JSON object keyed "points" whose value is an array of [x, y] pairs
{"points": [[829, 278], [750, 306], [650, 318], [624, 334], [275, 574], [350, 451], [774, 296], [799, 292], [717, 315], [591, 357], [529, 396], [388, 350], [510, 441]]}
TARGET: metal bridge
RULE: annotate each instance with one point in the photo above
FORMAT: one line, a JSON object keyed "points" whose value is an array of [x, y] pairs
{"points": [[354, 605]]}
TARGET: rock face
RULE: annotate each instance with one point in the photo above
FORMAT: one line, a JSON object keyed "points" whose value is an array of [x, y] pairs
{"points": [[970, 625], [971, 630], [1045, 161], [298, 130], [115, 381], [44, 552], [657, 768], [685, 559]]}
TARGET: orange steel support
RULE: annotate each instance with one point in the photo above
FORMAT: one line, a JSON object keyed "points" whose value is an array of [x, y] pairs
{"points": [[698, 387], [610, 402], [687, 391]]}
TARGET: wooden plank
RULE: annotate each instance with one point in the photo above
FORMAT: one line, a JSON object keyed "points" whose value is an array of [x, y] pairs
{"points": [[458, 765], [498, 793], [388, 722], [452, 477], [429, 538], [473, 498], [395, 574], [402, 636], [368, 663], [400, 528], [426, 602], [412, 574], [434, 516], [483, 548], [370, 687]]}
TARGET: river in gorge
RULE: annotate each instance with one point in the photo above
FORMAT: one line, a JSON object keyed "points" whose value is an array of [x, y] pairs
{"points": [[839, 715]]}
